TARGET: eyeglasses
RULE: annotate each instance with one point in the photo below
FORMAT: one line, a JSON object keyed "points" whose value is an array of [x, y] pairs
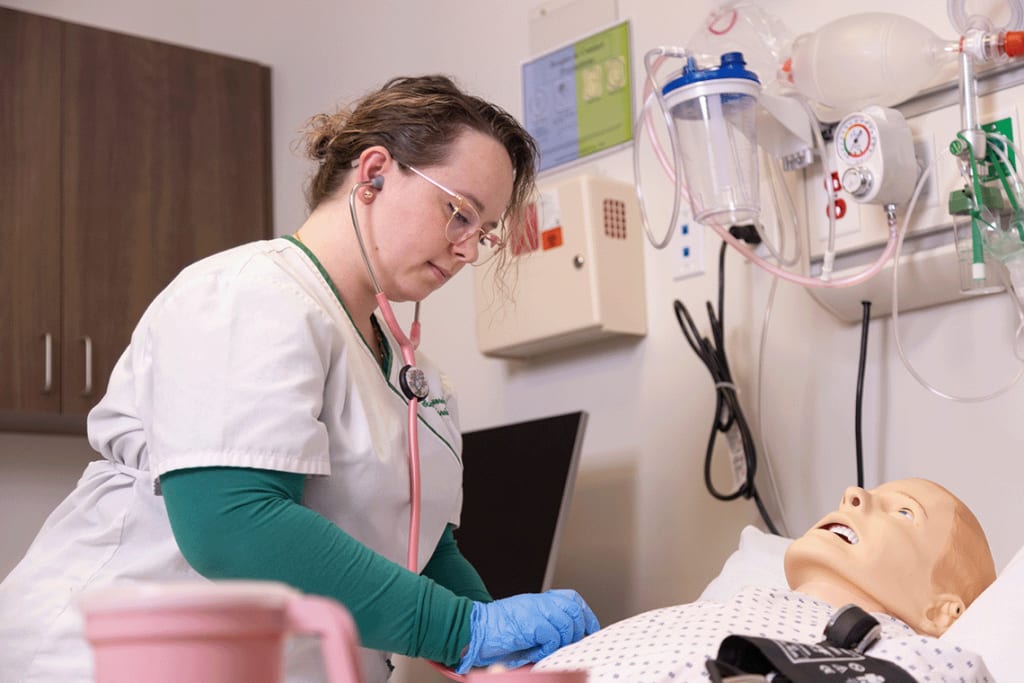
{"points": [[464, 222]]}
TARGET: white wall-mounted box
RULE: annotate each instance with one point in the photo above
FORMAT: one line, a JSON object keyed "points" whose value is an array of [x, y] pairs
{"points": [[583, 282]]}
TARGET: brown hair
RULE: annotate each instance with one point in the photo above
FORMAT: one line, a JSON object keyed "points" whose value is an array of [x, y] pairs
{"points": [[967, 558], [417, 119]]}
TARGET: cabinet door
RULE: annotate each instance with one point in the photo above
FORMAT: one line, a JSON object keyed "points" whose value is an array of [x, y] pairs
{"points": [[30, 213], [166, 160]]}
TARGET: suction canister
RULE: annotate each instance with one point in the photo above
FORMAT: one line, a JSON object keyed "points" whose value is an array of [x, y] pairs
{"points": [[714, 113]]}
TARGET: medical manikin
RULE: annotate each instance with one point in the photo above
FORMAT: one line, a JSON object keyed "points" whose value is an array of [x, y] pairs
{"points": [[908, 552], [908, 548]]}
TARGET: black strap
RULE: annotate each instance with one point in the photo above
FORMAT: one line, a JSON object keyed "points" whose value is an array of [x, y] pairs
{"points": [[853, 628], [839, 658], [802, 663]]}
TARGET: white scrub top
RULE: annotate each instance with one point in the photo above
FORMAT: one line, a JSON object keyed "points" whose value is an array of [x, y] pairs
{"points": [[247, 359]]}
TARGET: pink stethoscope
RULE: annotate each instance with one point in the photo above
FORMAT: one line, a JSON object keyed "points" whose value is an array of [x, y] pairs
{"points": [[414, 386]]}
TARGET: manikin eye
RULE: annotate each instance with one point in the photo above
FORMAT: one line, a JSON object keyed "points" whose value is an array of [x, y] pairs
{"points": [[906, 512]]}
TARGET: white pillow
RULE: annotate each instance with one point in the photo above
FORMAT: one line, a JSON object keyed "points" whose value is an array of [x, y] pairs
{"points": [[756, 562], [993, 626]]}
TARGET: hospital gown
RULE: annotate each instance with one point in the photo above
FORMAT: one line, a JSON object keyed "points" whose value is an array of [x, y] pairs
{"points": [[673, 643]]}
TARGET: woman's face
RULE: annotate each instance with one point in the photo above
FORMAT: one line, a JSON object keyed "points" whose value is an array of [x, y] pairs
{"points": [[407, 219]]}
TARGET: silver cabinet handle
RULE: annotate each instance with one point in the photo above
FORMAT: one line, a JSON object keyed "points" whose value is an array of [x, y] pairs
{"points": [[48, 363], [87, 391]]}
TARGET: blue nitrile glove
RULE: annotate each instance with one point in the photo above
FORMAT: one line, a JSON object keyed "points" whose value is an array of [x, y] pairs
{"points": [[525, 628]]}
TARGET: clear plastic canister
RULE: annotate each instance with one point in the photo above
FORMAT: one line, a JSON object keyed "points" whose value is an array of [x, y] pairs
{"points": [[715, 122]]}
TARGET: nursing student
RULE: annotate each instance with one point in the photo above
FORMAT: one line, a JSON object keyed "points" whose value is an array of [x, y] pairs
{"points": [[256, 425]]}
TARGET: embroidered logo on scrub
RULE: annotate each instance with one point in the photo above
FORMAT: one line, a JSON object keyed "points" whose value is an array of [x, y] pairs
{"points": [[438, 404]]}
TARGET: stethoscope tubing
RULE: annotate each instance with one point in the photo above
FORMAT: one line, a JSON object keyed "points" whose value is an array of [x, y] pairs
{"points": [[408, 345]]}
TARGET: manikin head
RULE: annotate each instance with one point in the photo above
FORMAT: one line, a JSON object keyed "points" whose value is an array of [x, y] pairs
{"points": [[908, 548]]}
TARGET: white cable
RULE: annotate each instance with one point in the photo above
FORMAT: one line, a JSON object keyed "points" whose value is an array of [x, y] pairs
{"points": [[765, 454], [896, 314], [1004, 275], [1004, 157], [1006, 141], [651, 91], [827, 163], [1014, 178], [777, 253]]}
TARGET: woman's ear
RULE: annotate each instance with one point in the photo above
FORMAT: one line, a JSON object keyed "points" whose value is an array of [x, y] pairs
{"points": [[373, 162], [946, 609]]}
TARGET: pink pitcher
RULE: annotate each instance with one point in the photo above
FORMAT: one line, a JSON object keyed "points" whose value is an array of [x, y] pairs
{"points": [[211, 631]]}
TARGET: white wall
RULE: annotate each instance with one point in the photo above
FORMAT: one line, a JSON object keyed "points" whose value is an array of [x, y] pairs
{"points": [[643, 532]]}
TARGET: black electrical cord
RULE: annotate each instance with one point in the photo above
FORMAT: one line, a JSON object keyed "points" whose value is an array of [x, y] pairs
{"points": [[728, 412], [865, 320]]}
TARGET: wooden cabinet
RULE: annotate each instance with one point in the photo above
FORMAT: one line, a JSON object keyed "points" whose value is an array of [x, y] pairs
{"points": [[125, 159], [30, 211]]}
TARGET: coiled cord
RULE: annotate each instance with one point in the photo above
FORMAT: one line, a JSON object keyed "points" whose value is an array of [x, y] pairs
{"points": [[728, 412]]}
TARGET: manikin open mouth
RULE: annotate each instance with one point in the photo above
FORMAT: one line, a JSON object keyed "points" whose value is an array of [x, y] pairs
{"points": [[842, 531]]}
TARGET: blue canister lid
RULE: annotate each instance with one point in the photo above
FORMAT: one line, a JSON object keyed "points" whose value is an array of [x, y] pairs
{"points": [[732, 66]]}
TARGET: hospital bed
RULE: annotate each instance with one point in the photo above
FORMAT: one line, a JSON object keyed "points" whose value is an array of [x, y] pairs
{"points": [[992, 626]]}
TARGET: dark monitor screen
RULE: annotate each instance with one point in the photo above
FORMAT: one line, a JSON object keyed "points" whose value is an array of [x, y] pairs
{"points": [[517, 481]]}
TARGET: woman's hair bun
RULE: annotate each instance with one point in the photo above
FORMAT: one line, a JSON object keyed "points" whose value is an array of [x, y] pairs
{"points": [[320, 133]]}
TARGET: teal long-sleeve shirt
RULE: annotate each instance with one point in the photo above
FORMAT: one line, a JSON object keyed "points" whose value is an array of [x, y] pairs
{"points": [[233, 522]]}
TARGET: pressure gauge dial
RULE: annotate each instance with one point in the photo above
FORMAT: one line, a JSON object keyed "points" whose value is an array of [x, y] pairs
{"points": [[856, 137]]}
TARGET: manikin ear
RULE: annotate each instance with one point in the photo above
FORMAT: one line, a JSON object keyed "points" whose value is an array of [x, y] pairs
{"points": [[946, 609]]}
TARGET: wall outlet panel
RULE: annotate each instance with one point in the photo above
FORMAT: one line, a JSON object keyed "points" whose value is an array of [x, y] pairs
{"points": [[687, 250]]}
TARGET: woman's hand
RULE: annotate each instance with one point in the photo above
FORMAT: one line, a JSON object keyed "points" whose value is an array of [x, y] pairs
{"points": [[526, 628]]}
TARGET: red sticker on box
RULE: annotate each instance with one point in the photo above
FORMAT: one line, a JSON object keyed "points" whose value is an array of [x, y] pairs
{"points": [[552, 238]]}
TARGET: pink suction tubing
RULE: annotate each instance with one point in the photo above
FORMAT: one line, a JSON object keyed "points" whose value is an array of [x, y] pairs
{"points": [[849, 281]]}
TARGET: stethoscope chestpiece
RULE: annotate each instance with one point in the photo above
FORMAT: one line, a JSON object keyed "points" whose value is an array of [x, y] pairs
{"points": [[852, 628], [413, 382]]}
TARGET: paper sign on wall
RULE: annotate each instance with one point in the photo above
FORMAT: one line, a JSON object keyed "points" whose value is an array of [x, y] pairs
{"points": [[578, 100]]}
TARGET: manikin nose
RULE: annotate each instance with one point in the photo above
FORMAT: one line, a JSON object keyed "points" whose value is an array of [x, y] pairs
{"points": [[854, 496]]}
